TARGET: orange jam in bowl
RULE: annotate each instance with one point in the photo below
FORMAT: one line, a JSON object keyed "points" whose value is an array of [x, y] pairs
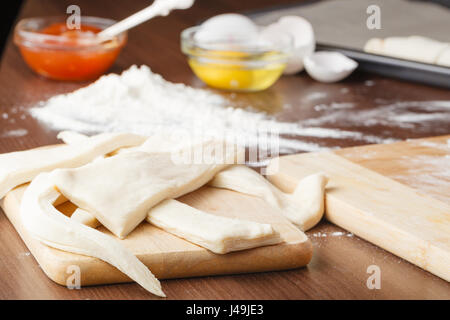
{"points": [[54, 51]]}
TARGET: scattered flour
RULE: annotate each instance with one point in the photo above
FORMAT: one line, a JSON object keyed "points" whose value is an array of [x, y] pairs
{"points": [[415, 117], [429, 174], [335, 105], [315, 96], [430, 144], [23, 255], [14, 133], [332, 234], [405, 114], [143, 102]]}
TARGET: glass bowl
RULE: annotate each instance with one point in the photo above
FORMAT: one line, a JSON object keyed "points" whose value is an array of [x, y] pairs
{"points": [[242, 66], [66, 57]]}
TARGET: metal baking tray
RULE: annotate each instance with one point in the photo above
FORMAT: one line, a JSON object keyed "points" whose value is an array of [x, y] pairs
{"points": [[341, 34]]}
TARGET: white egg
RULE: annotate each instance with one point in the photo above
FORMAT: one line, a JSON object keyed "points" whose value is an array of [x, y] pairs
{"points": [[328, 66], [228, 28], [302, 34]]}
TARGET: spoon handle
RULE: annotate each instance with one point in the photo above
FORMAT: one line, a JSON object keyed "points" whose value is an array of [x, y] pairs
{"points": [[157, 8]]}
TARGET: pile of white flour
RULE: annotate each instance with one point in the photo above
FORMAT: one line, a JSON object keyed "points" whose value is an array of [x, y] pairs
{"points": [[142, 102]]}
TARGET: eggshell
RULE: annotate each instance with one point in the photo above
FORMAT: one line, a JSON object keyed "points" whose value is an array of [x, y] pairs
{"points": [[303, 36], [273, 34], [301, 29], [327, 66], [229, 28]]}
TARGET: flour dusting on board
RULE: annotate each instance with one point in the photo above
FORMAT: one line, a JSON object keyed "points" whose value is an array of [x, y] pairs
{"points": [[429, 173], [142, 102]]}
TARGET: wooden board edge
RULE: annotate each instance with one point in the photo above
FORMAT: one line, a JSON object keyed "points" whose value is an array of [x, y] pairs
{"points": [[204, 266], [402, 244], [94, 271]]}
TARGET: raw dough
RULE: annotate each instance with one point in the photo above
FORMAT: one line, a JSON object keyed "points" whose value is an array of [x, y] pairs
{"points": [[20, 167], [86, 218], [415, 48], [242, 179], [218, 234], [53, 228], [154, 144], [121, 189], [71, 137], [304, 207], [444, 57]]}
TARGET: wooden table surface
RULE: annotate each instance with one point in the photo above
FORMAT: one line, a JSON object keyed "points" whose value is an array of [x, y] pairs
{"points": [[338, 269]]}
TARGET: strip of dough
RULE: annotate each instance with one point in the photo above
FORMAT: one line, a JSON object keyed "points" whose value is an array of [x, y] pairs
{"points": [[20, 167], [71, 137], [242, 179], [154, 144], [86, 218], [444, 57], [121, 189], [304, 207], [415, 48], [53, 228], [218, 234]]}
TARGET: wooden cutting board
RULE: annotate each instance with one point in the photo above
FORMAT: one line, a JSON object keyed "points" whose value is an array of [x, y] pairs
{"points": [[396, 196], [168, 256]]}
